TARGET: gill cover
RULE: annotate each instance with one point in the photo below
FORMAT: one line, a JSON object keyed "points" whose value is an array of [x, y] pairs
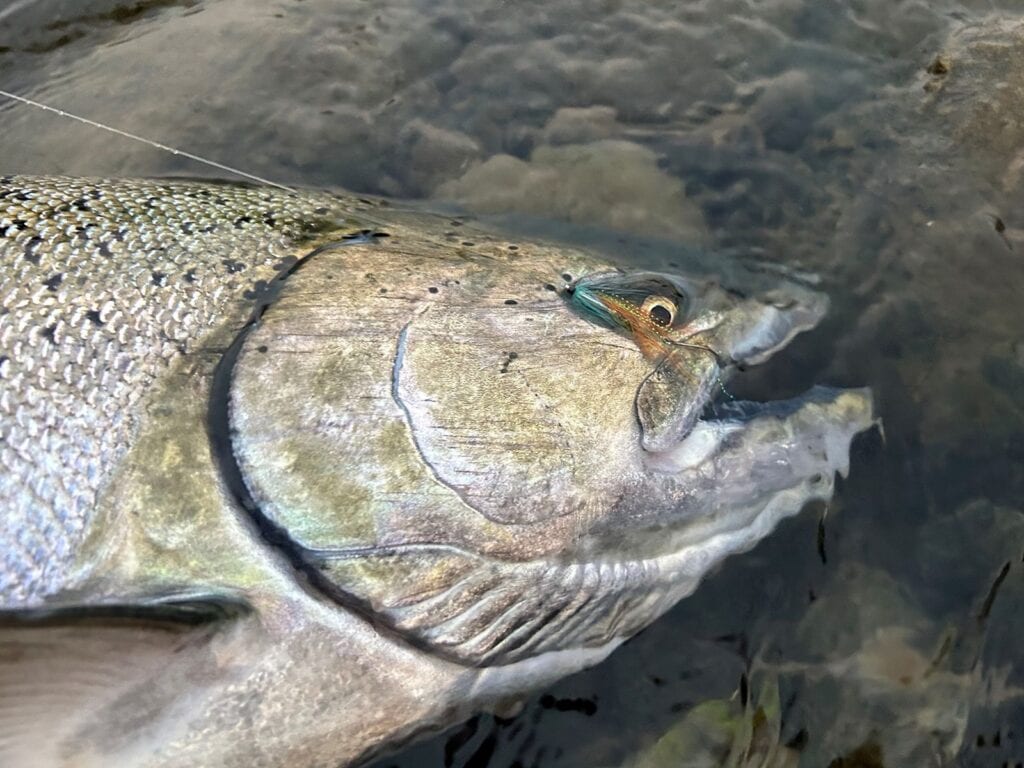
{"points": [[422, 454]]}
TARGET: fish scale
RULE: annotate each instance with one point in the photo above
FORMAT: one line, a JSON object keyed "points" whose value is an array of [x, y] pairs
{"points": [[105, 284]]}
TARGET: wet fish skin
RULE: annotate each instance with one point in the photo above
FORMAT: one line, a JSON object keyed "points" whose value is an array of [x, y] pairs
{"points": [[102, 287], [335, 513]]}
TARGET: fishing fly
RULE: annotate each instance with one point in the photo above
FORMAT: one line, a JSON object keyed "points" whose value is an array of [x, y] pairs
{"points": [[650, 309]]}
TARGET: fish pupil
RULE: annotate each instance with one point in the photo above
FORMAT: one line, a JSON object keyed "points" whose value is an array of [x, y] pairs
{"points": [[660, 314]]}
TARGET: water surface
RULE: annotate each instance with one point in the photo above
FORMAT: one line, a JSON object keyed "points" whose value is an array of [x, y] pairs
{"points": [[876, 143]]}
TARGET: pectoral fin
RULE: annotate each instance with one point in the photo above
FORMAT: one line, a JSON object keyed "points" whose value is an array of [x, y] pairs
{"points": [[101, 686]]}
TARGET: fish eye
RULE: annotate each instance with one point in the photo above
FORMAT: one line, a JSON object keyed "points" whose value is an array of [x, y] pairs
{"points": [[661, 310]]}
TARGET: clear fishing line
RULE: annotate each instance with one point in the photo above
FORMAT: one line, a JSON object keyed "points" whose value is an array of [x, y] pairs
{"points": [[135, 137]]}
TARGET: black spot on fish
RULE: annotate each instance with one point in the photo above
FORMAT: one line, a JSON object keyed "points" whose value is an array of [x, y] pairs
{"points": [[96, 194], [120, 234], [151, 202], [208, 229], [550, 287], [190, 276], [50, 333], [468, 243], [261, 348], [30, 249], [382, 290], [320, 210], [511, 301], [241, 221], [53, 282], [269, 220], [186, 227], [82, 204], [432, 289], [20, 224], [509, 357], [513, 247], [94, 317], [567, 277], [104, 249], [159, 278], [233, 266], [22, 196]]}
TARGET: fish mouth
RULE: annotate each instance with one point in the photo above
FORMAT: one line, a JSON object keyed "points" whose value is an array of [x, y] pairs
{"points": [[733, 334], [742, 468]]}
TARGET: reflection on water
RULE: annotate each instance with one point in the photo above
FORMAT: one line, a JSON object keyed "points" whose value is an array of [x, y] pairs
{"points": [[877, 143]]}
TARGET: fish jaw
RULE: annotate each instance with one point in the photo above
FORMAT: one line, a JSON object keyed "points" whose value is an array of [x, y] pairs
{"points": [[741, 470]]}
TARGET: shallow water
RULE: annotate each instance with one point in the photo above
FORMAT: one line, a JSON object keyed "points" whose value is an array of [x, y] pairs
{"points": [[879, 144]]}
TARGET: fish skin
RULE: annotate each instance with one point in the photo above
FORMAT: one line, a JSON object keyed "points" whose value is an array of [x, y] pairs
{"points": [[104, 284], [380, 360]]}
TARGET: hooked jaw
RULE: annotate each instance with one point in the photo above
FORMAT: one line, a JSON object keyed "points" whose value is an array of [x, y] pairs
{"points": [[735, 476], [724, 472]]}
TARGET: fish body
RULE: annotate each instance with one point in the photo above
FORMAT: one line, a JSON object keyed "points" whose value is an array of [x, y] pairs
{"points": [[105, 288], [289, 478]]}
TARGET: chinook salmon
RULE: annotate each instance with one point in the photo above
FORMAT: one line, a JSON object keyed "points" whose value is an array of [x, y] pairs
{"points": [[290, 477]]}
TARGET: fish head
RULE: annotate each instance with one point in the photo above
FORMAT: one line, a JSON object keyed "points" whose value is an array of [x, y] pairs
{"points": [[459, 448]]}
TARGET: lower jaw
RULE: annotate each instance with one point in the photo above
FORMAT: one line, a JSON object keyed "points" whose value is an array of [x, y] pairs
{"points": [[740, 473]]}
